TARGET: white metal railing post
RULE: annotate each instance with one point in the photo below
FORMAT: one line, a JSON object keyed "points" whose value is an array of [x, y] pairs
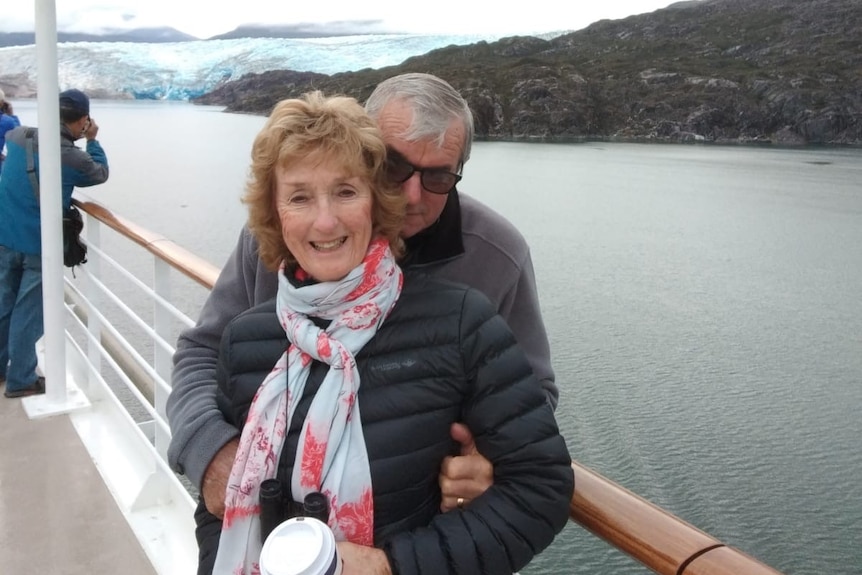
{"points": [[93, 294], [50, 184], [162, 325]]}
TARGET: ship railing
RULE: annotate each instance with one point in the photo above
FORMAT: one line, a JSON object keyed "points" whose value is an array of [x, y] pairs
{"points": [[122, 318], [656, 538]]}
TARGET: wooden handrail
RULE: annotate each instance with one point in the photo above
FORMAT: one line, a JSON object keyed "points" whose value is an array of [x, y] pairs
{"points": [[184, 261], [658, 539]]}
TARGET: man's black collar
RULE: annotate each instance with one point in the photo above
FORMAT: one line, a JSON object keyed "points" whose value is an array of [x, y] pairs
{"points": [[440, 241], [66, 133]]}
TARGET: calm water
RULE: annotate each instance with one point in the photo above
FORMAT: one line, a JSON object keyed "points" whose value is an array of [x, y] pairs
{"points": [[703, 306]]}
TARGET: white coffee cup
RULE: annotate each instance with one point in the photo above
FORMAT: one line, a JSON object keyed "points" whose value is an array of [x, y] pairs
{"points": [[300, 546]]}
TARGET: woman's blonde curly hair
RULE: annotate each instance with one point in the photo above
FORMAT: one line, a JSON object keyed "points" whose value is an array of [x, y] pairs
{"points": [[336, 128]]}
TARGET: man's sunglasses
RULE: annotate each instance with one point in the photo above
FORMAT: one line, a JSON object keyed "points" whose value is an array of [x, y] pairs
{"points": [[435, 180]]}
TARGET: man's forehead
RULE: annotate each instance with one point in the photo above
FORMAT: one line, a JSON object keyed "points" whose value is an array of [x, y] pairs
{"points": [[427, 152], [396, 122], [430, 150]]}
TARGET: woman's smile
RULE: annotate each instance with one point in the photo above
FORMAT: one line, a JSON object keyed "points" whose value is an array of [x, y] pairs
{"points": [[330, 245]]}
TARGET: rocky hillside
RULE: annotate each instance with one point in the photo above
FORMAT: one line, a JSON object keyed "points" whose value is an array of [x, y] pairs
{"points": [[781, 71]]}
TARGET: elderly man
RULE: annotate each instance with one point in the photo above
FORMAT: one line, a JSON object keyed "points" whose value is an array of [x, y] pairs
{"points": [[20, 234], [428, 128]]}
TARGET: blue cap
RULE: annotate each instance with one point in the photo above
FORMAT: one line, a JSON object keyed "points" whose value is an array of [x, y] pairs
{"points": [[75, 100]]}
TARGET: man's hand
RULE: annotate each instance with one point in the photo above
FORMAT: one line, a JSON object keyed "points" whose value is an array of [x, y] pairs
{"points": [[362, 560], [214, 485], [92, 130], [465, 477]]}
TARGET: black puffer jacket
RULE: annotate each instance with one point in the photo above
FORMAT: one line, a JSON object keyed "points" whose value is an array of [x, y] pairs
{"points": [[442, 356]]}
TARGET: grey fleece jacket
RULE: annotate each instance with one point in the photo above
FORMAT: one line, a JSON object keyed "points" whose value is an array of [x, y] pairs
{"points": [[470, 244]]}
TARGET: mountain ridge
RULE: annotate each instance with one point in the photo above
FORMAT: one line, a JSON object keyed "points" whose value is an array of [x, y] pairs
{"points": [[157, 35], [180, 70], [725, 71], [161, 35]]}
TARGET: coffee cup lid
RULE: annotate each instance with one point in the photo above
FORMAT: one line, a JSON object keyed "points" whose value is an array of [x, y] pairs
{"points": [[299, 546]]}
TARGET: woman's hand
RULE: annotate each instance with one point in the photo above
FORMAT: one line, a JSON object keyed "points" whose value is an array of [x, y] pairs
{"points": [[465, 477], [362, 560]]}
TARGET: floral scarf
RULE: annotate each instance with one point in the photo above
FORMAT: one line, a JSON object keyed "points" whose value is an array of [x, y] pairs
{"points": [[331, 455]]}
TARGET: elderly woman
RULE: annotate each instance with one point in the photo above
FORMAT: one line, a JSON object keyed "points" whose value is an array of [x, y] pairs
{"points": [[348, 382]]}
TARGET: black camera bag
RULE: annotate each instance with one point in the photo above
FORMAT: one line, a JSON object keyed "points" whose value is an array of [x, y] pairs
{"points": [[74, 250]]}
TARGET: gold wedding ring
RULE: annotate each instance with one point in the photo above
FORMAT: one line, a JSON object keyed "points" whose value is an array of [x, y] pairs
{"points": [[460, 502]]}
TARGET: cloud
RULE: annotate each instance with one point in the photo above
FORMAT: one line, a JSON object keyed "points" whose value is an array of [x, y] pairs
{"points": [[206, 18], [97, 18]]}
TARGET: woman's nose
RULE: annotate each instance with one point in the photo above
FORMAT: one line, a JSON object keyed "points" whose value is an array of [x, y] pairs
{"points": [[325, 217]]}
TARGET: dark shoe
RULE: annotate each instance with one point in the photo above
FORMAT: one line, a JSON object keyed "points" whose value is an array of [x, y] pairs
{"points": [[37, 388]]}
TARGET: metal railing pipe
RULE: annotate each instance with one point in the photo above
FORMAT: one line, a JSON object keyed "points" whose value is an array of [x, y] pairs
{"points": [[649, 534]]}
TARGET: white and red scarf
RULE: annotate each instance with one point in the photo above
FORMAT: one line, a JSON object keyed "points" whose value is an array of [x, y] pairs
{"points": [[331, 455]]}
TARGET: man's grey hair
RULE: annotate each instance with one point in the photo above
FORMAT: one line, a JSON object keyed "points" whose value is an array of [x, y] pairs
{"points": [[434, 104]]}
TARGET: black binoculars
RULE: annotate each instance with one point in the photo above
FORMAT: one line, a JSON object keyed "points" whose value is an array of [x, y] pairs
{"points": [[274, 509]]}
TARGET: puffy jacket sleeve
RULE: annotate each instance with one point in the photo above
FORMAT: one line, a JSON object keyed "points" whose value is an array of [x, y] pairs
{"points": [[514, 426], [198, 427]]}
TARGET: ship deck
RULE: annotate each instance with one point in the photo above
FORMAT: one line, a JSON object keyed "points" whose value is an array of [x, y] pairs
{"points": [[56, 513]]}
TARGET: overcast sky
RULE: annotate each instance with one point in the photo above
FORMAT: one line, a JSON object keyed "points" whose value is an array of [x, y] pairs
{"points": [[206, 18]]}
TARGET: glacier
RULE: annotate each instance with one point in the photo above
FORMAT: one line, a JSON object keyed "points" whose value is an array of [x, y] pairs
{"points": [[183, 70]]}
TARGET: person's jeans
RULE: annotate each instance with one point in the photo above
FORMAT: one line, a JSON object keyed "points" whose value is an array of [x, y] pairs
{"points": [[20, 317]]}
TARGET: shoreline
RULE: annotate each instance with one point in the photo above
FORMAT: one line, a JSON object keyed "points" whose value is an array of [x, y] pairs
{"points": [[669, 141]]}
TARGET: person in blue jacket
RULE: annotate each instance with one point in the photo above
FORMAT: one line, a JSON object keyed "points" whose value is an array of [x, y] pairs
{"points": [[8, 121], [20, 233]]}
